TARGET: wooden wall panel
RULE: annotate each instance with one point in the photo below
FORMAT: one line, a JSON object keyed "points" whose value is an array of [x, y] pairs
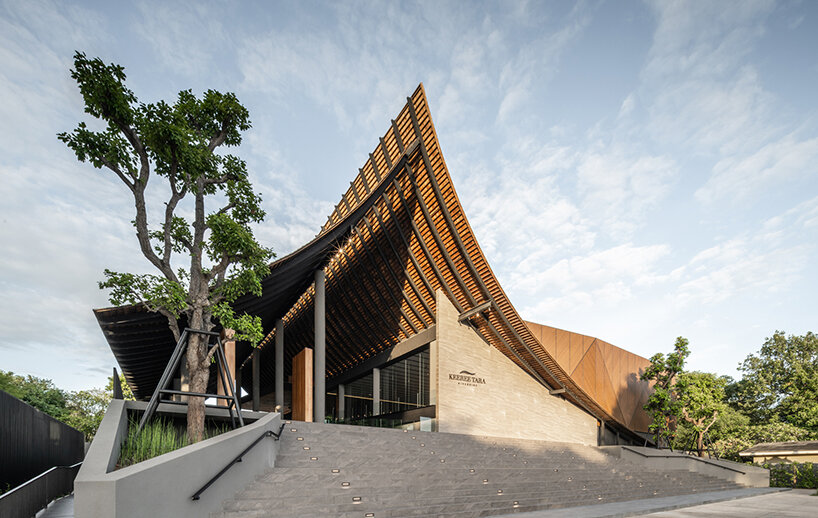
{"points": [[302, 386]]}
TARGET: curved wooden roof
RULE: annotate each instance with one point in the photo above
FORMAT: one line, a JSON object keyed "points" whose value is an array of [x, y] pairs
{"points": [[414, 239], [397, 236]]}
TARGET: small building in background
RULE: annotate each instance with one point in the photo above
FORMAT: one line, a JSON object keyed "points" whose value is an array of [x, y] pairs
{"points": [[782, 452]]}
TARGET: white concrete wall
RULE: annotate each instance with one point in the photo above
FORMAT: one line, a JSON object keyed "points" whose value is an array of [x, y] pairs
{"points": [[163, 486], [509, 404]]}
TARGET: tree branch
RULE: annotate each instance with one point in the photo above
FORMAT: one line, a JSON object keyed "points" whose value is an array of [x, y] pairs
{"points": [[219, 138], [221, 179], [118, 171], [170, 207]]}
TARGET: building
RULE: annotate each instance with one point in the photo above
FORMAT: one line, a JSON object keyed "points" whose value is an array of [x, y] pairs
{"points": [[782, 452], [391, 316]]}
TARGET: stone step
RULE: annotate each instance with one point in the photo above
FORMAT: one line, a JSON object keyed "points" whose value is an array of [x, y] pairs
{"points": [[346, 471], [511, 502]]}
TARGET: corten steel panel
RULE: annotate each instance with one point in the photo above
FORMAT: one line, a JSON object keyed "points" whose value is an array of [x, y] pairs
{"points": [[614, 383], [401, 220], [302, 386]]}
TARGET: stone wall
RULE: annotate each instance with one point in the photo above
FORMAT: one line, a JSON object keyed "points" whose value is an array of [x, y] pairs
{"points": [[479, 391]]}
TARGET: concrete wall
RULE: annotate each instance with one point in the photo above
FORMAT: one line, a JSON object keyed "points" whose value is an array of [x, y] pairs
{"points": [[163, 486], [498, 398], [744, 474]]}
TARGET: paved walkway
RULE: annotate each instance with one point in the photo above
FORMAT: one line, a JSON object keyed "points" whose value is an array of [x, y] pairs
{"points": [[795, 503], [739, 503], [62, 508]]}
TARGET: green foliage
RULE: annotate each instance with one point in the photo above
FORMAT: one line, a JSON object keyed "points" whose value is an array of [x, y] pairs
{"points": [[700, 396], [85, 410], [795, 474], [40, 393], [152, 290], [82, 410], [729, 443], [160, 436], [663, 406], [177, 142], [780, 383]]}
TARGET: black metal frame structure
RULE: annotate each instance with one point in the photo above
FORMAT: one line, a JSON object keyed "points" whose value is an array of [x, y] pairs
{"points": [[170, 369]]}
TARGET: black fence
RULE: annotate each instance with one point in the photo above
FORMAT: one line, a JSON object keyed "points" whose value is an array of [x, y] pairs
{"points": [[32, 442], [25, 500]]}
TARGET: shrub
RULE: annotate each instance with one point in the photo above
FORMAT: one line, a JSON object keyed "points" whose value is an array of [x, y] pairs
{"points": [[796, 475]]}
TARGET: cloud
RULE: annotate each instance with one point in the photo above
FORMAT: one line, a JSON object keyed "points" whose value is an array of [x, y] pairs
{"points": [[617, 191], [185, 36], [738, 177], [756, 265]]}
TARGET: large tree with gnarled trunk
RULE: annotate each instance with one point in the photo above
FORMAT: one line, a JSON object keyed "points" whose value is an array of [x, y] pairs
{"points": [[205, 221]]}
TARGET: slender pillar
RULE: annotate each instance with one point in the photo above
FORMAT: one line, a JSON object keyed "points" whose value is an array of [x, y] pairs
{"points": [[230, 357], [279, 365], [320, 350], [237, 370], [256, 379], [341, 401], [376, 391]]}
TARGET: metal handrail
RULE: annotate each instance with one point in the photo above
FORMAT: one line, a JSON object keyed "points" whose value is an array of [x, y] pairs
{"points": [[29, 497], [682, 456], [268, 433]]}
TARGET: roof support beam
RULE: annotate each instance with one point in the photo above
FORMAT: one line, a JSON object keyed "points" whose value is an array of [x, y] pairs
{"points": [[374, 266], [462, 247], [385, 232], [466, 315]]}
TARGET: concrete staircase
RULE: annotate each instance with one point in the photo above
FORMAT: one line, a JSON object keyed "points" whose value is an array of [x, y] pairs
{"points": [[347, 471]]}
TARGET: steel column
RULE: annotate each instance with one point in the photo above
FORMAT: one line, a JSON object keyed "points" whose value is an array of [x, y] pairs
{"points": [[279, 360], [319, 394]]}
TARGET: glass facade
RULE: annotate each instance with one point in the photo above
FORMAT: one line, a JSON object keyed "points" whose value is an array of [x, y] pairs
{"points": [[358, 402], [405, 384], [404, 396]]}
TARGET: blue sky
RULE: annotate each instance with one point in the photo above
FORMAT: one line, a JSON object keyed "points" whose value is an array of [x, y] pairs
{"points": [[633, 171]]}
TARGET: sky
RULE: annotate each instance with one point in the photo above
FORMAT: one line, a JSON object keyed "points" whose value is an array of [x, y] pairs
{"points": [[632, 171]]}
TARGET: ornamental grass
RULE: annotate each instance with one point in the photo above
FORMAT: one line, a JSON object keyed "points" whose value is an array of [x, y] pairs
{"points": [[158, 437]]}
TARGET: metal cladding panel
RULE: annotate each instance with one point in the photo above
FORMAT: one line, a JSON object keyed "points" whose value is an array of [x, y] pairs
{"points": [[397, 236], [608, 374]]}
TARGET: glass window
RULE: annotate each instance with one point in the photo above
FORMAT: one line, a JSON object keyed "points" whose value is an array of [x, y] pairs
{"points": [[405, 384], [358, 398]]}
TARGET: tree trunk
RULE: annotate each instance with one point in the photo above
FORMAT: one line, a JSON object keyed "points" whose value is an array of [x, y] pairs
{"points": [[199, 370], [700, 444]]}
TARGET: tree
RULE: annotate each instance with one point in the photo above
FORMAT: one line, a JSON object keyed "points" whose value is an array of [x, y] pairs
{"points": [[780, 383], [85, 410], [662, 405], [178, 143], [700, 396], [40, 393]]}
